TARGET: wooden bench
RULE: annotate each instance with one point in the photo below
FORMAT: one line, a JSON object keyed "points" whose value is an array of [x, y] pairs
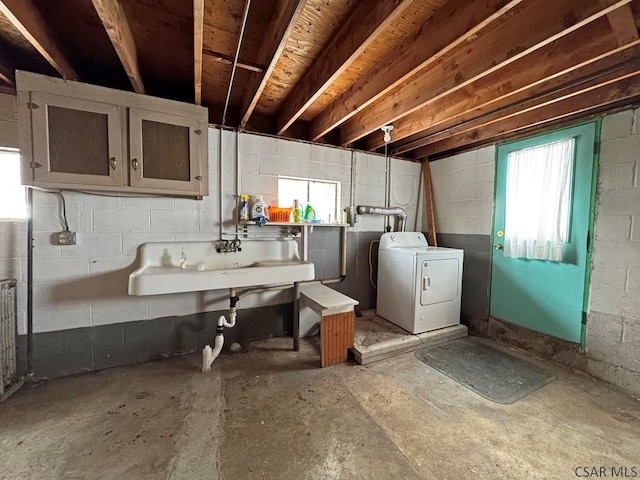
{"points": [[334, 311]]}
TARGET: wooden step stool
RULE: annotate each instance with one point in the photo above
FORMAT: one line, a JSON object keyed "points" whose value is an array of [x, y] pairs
{"points": [[335, 312]]}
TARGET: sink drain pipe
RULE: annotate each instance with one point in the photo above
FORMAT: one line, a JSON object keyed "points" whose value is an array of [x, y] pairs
{"points": [[210, 354]]}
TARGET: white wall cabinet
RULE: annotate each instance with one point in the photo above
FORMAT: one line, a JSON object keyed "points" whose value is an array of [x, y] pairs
{"points": [[84, 137]]}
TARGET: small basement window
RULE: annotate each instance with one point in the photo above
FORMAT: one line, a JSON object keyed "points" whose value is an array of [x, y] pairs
{"points": [[323, 196], [13, 205]]}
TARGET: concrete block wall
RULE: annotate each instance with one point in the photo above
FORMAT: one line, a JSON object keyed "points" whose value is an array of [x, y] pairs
{"points": [[463, 192], [86, 285], [613, 328], [463, 204]]}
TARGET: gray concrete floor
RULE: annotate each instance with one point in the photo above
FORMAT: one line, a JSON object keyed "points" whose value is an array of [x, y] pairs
{"points": [[273, 414]]}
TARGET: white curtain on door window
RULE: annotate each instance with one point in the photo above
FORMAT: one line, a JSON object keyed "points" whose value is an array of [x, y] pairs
{"points": [[537, 201]]}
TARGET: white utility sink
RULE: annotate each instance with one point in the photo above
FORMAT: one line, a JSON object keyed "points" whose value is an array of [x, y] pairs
{"points": [[261, 262]]}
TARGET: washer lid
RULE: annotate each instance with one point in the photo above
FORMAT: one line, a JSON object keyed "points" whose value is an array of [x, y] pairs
{"points": [[404, 240]]}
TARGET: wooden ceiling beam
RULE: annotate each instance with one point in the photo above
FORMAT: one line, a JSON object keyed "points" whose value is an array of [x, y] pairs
{"points": [[582, 102], [28, 20], [568, 59], [228, 60], [284, 17], [115, 23], [7, 70], [619, 72], [532, 28], [367, 21], [574, 80], [198, 42], [623, 24], [454, 23]]}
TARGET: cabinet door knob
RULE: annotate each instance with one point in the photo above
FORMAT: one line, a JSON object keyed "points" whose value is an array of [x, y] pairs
{"points": [[113, 162], [134, 163]]}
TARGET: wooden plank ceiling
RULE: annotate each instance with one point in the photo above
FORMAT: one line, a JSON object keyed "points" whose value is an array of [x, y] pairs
{"points": [[447, 74]]}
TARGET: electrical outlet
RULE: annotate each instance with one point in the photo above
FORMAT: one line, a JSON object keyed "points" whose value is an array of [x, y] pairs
{"points": [[66, 238]]}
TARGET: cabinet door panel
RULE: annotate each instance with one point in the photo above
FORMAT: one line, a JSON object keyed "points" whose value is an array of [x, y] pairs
{"points": [[164, 151], [76, 141]]}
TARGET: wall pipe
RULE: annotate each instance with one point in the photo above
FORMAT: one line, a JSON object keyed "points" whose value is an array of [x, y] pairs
{"points": [[220, 194], [29, 371], [398, 212], [235, 60], [237, 179]]}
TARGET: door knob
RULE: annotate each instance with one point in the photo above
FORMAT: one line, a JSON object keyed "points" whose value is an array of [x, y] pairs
{"points": [[498, 246]]}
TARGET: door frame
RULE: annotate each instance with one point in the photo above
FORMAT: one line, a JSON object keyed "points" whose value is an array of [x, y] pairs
{"points": [[592, 206]]}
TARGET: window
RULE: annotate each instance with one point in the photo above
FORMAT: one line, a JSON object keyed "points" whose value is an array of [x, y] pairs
{"points": [[538, 200], [320, 194], [12, 194]]}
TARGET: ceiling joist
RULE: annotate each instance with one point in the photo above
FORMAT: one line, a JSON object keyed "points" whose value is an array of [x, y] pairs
{"points": [[228, 60], [623, 24], [115, 23], [451, 25], [446, 73], [364, 25], [198, 39], [282, 21], [7, 70], [604, 78], [26, 18], [532, 28], [589, 101], [568, 59]]}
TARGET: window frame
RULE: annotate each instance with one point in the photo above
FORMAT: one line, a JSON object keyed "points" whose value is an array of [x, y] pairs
{"points": [[337, 183]]}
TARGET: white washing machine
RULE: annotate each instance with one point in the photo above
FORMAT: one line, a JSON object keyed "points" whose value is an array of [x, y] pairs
{"points": [[419, 287]]}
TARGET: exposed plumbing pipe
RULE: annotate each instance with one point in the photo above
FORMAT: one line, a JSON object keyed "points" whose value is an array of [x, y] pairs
{"points": [[237, 192], [210, 354], [220, 194], [352, 193], [399, 213], [235, 61], [387, 179], [343, 263], [29, 371]]}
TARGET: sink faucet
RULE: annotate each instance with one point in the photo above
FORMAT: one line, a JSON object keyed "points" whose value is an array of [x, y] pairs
{"points": [[234, 246], [225, 246]]}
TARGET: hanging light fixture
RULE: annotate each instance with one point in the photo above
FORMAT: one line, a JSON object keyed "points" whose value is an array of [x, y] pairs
{"points": [[387, 132]]}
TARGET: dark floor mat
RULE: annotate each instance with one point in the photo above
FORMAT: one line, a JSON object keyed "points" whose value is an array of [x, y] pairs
{"points": [[491, 373]]}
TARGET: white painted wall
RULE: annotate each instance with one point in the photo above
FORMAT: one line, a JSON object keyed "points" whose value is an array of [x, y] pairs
{"points": [[463, 192], [86, 285]]}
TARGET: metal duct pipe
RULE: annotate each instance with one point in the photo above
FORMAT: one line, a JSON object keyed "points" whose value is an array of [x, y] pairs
{"points": [[399, 213]]}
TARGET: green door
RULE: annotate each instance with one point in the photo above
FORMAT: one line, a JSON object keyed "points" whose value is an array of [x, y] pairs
{"points": [[545, 295]]}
